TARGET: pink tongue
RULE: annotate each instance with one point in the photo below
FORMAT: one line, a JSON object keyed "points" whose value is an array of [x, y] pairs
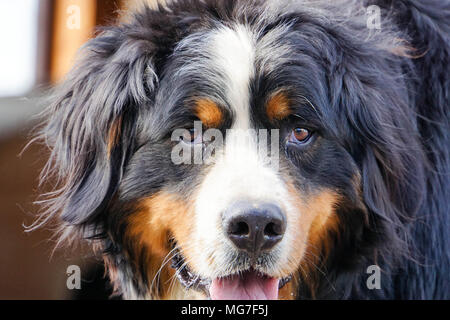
{"points": [[248, 286]]}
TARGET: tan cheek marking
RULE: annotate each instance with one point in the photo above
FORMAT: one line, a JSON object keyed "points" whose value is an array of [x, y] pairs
{"points": [[149, 229], [278, 107], [288, 292], [320, 243], [208, 112], [325, 220], [315, 219]]}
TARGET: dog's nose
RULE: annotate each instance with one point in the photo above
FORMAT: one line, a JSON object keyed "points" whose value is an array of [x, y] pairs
{"points": [[254, 227]]}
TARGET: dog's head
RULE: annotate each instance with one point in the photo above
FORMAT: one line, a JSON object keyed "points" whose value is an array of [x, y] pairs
{"points": [[233, 150]]}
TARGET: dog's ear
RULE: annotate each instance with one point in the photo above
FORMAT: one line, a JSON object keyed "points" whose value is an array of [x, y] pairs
{"points": [[386, 144], [92, 122]]}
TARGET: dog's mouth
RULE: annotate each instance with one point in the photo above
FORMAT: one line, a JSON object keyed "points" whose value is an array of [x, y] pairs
{"points": [[246, 285]]}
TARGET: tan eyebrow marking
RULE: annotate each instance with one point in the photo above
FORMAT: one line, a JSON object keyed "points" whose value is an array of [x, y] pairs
{"points": [[278, 107], [208, 112]]}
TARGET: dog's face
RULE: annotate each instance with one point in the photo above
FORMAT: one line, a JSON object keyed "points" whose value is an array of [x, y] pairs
{"points": [[233, 212], [226, 160]]}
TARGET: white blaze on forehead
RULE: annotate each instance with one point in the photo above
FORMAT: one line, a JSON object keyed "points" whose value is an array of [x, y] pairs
{"points": [[233, 52], [239, 171]]}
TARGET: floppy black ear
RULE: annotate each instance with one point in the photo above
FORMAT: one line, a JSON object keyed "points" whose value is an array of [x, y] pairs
{"points": [[92, 123], [387, 144]]}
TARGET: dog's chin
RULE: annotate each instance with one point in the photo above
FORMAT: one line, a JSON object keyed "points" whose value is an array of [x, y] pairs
{"points": [[248, 284]]}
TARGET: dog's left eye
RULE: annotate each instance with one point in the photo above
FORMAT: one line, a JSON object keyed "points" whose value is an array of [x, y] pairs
{"points": [[300, 135], [192, 136]]}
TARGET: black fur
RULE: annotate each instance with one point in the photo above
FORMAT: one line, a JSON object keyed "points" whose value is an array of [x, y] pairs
{"points": [[383, 121]]}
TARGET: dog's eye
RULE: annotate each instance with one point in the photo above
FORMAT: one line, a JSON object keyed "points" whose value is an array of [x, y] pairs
{"points": [[300, 135], [192, 136]]}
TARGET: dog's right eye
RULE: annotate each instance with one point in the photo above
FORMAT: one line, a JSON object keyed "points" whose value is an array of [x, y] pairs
{"points": [[192, 136]]}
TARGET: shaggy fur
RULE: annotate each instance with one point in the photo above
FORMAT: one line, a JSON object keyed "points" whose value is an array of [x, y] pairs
{"points": [[380, 106]]}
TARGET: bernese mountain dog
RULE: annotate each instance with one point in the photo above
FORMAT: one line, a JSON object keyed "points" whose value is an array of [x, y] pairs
{"points": [[354, 112]]}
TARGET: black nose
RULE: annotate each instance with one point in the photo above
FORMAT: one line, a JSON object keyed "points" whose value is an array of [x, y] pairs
{"points": [[254, 227]]}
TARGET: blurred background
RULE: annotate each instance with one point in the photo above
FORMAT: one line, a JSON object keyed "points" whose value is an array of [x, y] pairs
{"points": [[39, 41]]}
